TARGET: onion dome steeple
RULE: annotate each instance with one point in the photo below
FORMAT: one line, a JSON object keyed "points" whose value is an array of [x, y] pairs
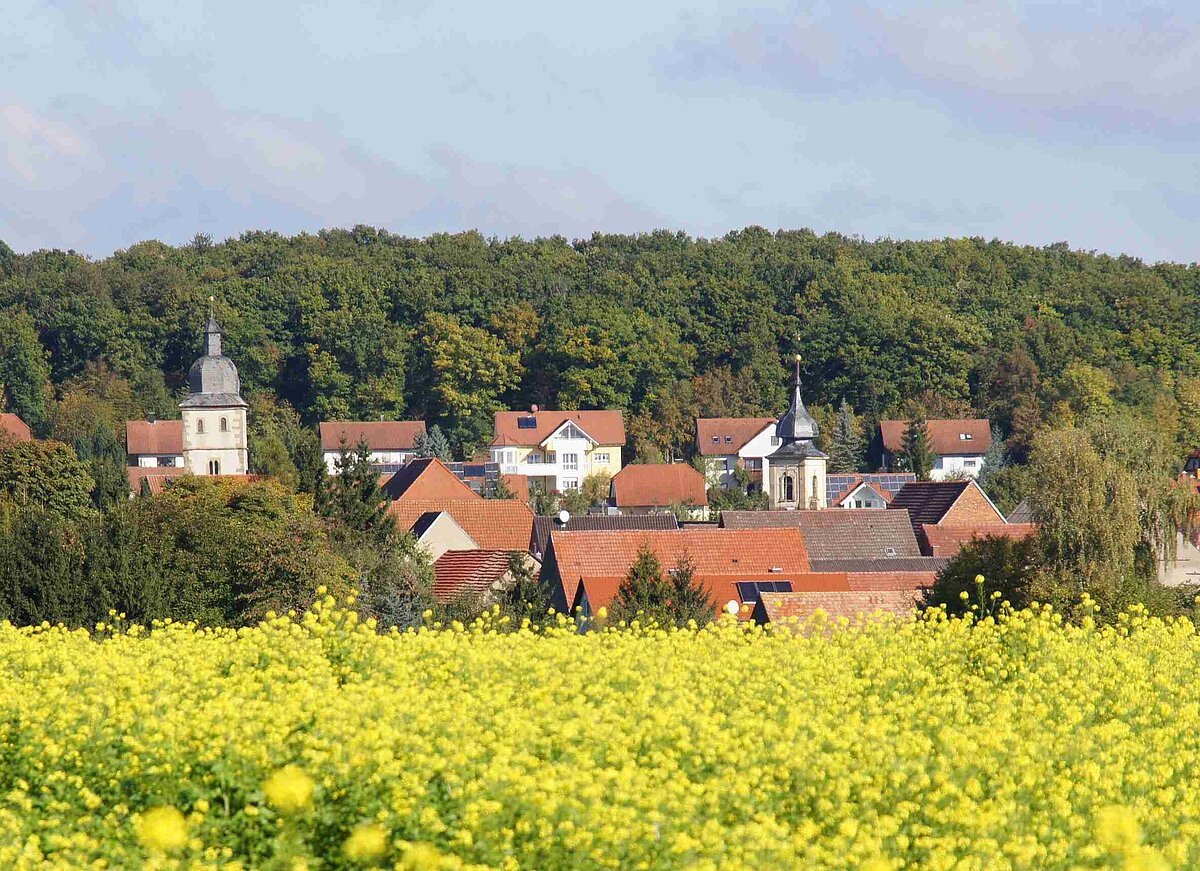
{"points": [[213, 379]]}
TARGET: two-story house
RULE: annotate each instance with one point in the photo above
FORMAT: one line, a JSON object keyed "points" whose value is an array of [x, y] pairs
{"points": [[392, 442], [958, 445], [557, 450], [729, 443]]}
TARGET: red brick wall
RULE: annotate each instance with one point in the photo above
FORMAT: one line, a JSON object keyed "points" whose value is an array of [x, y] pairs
{"points": [[971, 509]]}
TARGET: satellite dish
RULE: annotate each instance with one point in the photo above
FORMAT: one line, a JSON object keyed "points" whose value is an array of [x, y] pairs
{"points": [[732, 607], [564, 516]]}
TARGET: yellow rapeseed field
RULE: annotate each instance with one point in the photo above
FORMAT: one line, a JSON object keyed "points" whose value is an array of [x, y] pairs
{"points": [[318, 743]]}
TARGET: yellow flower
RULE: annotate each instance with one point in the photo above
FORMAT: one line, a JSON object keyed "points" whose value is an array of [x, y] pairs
{"points": [[289, 790], [367, 842], [422, 857], [162, 828], [1117, 829]]}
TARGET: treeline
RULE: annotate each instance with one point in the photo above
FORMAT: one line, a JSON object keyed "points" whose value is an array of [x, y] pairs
{"points": [[365, 324]]}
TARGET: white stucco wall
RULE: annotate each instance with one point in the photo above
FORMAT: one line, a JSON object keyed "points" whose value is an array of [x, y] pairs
{"points": [[227, 447], [956, 465], [377, 458]]}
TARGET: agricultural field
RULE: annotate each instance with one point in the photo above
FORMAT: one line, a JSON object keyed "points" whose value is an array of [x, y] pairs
{"points": [[316, 742]]}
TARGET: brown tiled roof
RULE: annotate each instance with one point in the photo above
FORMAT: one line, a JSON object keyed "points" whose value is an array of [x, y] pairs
{"points": [[658, 484], [928, 501], [427, 478], [381, 435], [721, 557], [543, 526], [731, 433], [838, 533], [606, 427], [468, 572], [495, 524], [14, 428], [945, 436], [886, 564], [947, 541], [154, 437], [775, 607]]}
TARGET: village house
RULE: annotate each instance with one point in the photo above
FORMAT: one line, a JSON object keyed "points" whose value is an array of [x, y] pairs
{"points": [[652, 488], [730, 443], [392, 442], [945, 515], [12, 428], [152, 444], [585, 569], [958, 445], [564, 522], [864, 490], [558, 450], [781, 607]]}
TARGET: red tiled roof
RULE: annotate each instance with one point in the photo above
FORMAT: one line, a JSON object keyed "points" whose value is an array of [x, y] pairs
{"points": [[895, 580], [731, 433], [946, 541], [427, 478], [945, 436], [494, 524], [774, 607], [606, 427], [518, 485], [543, 526], [154, 437], [658, 484], [14, 428], [885, 495], [380, 435], [468, 572]]}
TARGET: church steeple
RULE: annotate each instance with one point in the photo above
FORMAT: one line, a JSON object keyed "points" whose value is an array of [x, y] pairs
{"points": [[212, 336], [797, 424]]}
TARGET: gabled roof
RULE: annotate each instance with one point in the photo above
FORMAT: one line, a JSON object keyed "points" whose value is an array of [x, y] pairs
{"points": [[842, 533], [776, 607], [529, 428], [731, 433], [658, 484], [427, 478], [468, 573], [14, 428], [856, 487], [928, 501], [543, 526], [380, 435], [946, 437], [888, 482], [154, 437], [496, 524], [947, 541]]}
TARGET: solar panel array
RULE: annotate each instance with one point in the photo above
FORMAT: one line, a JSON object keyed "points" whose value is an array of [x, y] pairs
{"points": [[748, 590], [892, 482]]}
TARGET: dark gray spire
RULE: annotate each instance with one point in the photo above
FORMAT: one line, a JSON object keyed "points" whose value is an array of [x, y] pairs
{"points": [[213, 379], [797, 424], [212, 337]]}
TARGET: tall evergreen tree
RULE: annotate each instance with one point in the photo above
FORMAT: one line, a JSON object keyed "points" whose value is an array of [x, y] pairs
{"points": [[917, 450], [644, 591], [689, 599], [847, 452], [352, 496], [105, 456], [994, 460], [433, 444]]}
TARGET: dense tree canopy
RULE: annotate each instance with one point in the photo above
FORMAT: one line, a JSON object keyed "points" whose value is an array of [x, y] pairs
{"points": [[361, 323]]}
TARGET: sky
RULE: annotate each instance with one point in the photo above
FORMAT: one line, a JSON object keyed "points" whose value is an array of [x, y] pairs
{"points": [[1029, 122]]}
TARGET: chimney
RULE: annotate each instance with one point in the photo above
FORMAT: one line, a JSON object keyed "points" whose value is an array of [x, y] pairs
{"points": [[153, 417], [533, 409]]}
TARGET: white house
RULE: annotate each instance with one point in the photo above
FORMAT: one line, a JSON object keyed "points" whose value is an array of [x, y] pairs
{"points": [[558, 450], [392, 442], [958, 445], [727, 443], [151, 444]]}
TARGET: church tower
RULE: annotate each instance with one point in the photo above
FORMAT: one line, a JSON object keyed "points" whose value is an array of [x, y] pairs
{"points": [[214, 414], [797, 468]]}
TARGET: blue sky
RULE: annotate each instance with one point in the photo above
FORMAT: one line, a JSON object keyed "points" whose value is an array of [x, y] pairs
{"points": [[1030, 122]]}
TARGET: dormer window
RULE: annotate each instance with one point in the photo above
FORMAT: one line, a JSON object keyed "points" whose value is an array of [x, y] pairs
{"points": [[728, 440], [965, 436], [716, 440]]}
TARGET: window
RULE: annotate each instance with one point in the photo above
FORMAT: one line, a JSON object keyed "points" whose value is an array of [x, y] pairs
{"points": [[752, 464], [200, 426], [968, 464], [716, 440], [570, 484], [214, 467], [224, 424], [813, 498], [776, 441], [570, 461], [965, 436], [789, 489], [166, 461], [728, 440], [570, 431], [534, 458], [600, 458]]}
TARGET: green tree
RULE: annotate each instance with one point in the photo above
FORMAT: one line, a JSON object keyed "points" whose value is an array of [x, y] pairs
{"points": [[644, 593], [269, 456], [690, 600], [433, 443], [48, 474], [393, 574], [916, 448], [24, 370], [526, 598], [994, 460], [352, 497], [105, 458], [847, 452], [1007, 566]]}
